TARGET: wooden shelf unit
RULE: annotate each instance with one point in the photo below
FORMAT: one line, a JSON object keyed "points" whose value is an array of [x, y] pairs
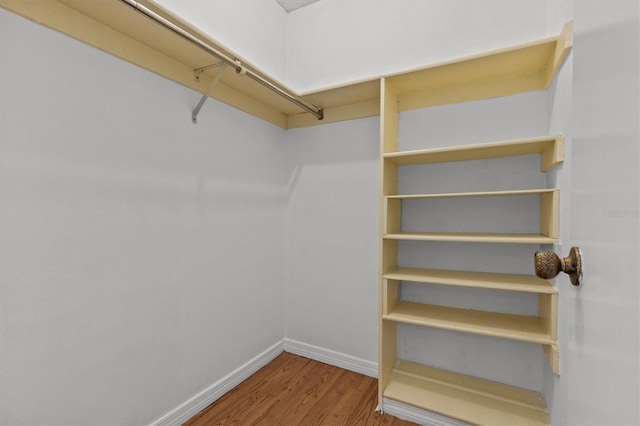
{"points": [[459, 396]]}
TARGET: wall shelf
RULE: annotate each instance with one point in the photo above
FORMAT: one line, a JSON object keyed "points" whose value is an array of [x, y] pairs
{"points": [[550, 149], [488, 280], [465, 398], [473, 194], [472, 237], [507, 326]]}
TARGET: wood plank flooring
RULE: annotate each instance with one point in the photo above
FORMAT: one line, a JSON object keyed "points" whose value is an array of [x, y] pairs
{"points": [[293, 390]]}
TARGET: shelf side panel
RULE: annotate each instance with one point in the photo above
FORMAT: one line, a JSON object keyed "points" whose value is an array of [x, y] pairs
{"points": [[552, 154], [389, 296], [392, 215], [549, 214], [388, 117], [562, 48], [387, 350], [552, 354]]}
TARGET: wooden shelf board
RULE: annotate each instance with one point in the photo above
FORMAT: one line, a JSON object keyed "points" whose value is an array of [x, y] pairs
{"points": [[522, 59], [510, 282], [517, 69], [507, 326], [466, 398], [474, 194], [546, 146], [472, 237]]}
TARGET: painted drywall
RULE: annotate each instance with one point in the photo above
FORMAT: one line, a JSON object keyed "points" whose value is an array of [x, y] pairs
{"points": [[332, 237], [596, 103], [141, 256], [253, 29], [333, 42]]}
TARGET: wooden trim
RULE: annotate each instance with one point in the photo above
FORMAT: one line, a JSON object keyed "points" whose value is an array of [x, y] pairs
{"points": [[392, 215], [389, 177], [552, 354], [389, 296], [562, 48], [548, 312], [389, 117], [387, 354], [550, 213]]}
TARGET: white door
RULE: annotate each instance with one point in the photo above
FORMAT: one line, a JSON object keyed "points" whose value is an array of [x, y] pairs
{"points": [[599, 321]]}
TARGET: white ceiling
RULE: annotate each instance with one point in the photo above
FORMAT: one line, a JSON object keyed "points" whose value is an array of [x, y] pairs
{"points": [[290, 5]]}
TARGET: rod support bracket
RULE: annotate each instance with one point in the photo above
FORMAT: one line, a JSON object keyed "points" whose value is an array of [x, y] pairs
{"points": [[196, 110], [198, 71], [240, 69]]}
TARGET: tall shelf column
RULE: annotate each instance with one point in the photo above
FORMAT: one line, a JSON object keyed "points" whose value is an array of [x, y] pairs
{"points": [[523, 68]]}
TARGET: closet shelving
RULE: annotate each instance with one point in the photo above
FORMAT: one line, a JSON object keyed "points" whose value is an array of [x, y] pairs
{"points": [[111, 26], [475, 400]]}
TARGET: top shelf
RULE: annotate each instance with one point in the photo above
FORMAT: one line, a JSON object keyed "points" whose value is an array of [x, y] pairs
{"points": [[550, 148], [522, 68]]}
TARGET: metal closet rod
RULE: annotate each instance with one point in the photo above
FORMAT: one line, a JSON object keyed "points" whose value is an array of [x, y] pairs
{"points": [[240, 69]]}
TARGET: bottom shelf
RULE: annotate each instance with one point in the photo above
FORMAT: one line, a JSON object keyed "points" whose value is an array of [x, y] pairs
{"points": [[465, 398]]}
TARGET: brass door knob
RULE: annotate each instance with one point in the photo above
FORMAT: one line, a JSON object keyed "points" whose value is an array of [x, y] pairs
{"points": [[548, 265]]}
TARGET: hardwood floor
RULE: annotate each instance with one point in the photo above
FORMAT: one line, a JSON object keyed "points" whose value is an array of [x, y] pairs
{"points": [[292, 390]]}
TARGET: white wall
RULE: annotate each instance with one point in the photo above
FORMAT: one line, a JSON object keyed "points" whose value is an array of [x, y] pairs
{"points": [[141, 256], [254, 29], [333, 42], [596, 102], [332, 237]]}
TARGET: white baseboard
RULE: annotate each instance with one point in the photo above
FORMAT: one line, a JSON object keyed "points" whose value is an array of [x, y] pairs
{"points": [[200, 401], [416, 415], [348, 362]]}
